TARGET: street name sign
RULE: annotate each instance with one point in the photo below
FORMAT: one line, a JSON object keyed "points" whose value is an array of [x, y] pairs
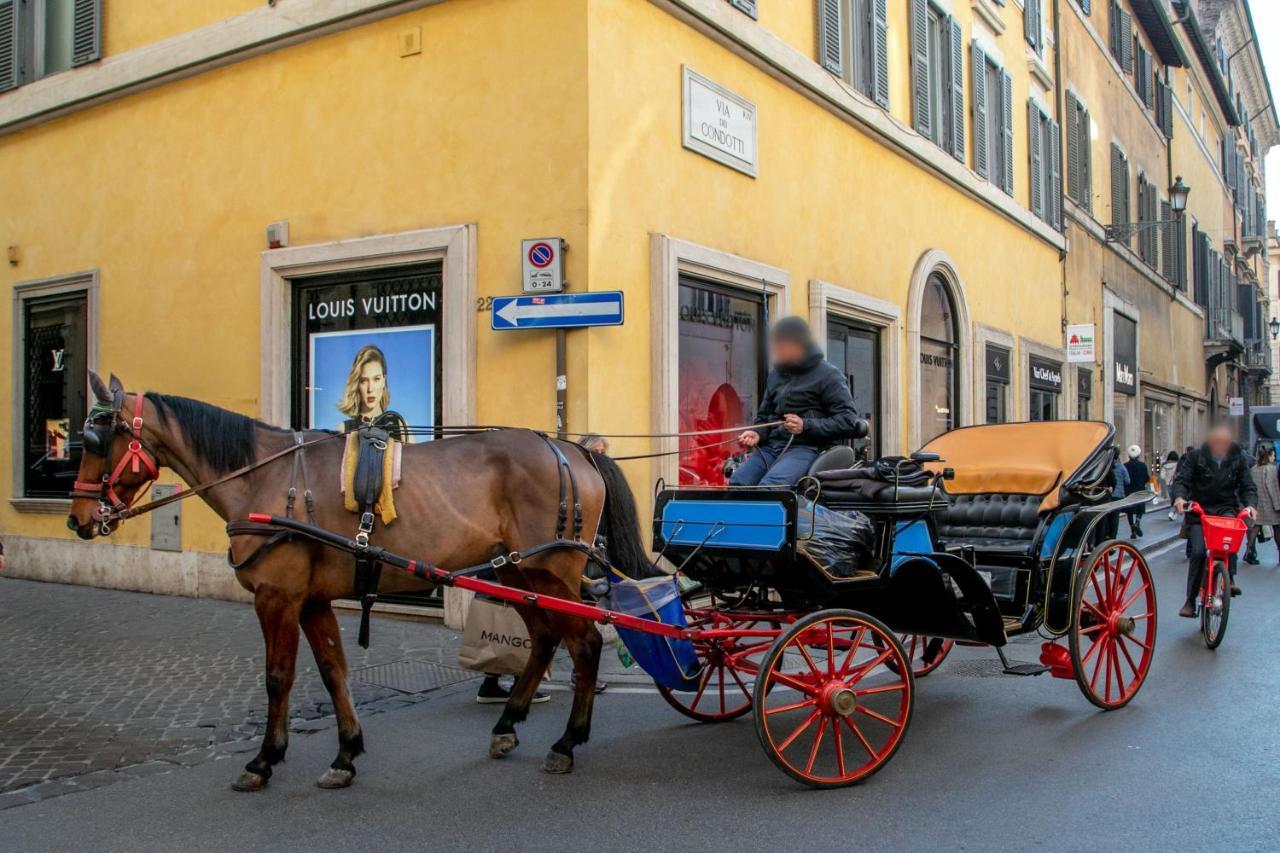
{"points": [[719, 124], [557, 311]]}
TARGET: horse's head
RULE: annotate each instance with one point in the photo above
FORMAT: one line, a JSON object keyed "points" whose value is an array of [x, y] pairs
{"points": [[116, 466]]}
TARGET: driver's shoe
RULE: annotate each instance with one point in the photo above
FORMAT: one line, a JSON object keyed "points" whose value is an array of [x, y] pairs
{"points": [[1189, 609]]}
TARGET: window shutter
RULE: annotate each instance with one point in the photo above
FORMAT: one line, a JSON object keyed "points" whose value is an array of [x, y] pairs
{"points": [[1113, 31], [86, 32], [920, 66], [831, 35], [1199, 272], [880, 28], [1119, 213], [748, 6], [1031, 23], [978, 68], [1033, 147], [1086, 160], [1053, 186], [1084, 6], [957, 90], [1167, 241], [8, 44], [1126, 41], [1073, 147], [1007, 105], [1180, 253]]}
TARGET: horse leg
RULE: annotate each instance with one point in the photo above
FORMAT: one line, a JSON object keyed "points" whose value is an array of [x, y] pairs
{"points": [[321, 628], [278, 615], [543, 641], [584, 643]]}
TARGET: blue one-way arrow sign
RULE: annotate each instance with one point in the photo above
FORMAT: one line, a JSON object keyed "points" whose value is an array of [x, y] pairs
{"points": [[557, 310]]}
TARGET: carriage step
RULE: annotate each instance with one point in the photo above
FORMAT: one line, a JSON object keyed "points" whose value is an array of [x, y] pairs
{"points": [[1026, 669], [1020, 668]]}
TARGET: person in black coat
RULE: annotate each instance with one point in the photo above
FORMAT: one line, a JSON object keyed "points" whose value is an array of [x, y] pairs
{"points": [[1139, 479], [810, 395], [1216, 476]]}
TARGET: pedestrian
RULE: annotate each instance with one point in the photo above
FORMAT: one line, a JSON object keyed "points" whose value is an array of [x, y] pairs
{"points": [[1118, 479], [1167, 473], [594, 443], [1266, 479], [1139, 480], [810, 396], [1216, 476]]}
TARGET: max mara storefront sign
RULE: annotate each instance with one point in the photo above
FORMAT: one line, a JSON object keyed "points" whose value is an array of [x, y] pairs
{"points": [[719, 124]]}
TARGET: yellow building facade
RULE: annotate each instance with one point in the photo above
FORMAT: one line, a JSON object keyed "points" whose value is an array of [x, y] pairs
{"points": [[212, 199]]}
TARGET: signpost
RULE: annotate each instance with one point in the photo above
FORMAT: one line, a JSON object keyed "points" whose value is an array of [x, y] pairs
{"points": [[1081, 343], [1236, 406], [544, 307]]}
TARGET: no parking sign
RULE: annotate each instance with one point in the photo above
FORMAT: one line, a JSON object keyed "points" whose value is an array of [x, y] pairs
{"points": [[542, 262]]}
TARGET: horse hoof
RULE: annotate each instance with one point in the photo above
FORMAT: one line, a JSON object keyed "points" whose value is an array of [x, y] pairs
{"points": [[336, 778], [249, 782], [503, 745], [557, 763]]}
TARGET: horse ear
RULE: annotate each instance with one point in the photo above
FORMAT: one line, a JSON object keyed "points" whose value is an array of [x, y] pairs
{"points": [[117, 391], [99, 388]]}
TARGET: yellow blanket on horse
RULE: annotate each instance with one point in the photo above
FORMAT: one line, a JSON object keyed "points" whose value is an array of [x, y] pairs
{"points": [[384, 505]]}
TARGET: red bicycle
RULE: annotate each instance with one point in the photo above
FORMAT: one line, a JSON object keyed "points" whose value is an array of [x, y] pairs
{"points": [[1223, 536]]}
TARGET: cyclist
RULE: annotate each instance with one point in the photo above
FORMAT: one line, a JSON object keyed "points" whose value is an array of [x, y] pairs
{"points": [[1216, 476]]}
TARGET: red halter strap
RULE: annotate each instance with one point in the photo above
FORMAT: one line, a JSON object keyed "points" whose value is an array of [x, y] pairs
{"points": [[135, 458]]}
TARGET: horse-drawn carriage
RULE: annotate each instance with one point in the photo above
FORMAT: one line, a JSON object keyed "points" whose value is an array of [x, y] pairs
{"points": [[1000, 541]]}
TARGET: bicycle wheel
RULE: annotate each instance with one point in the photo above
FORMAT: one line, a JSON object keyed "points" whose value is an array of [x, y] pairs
{"points": [[1215, 603]]}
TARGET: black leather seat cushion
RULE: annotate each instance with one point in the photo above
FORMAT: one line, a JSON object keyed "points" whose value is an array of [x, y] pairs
{"points": [[991, 521]]}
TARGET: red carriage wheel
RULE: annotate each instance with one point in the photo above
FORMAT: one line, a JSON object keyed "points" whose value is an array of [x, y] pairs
{"points": [[1113, 634], [830, 710], [918, 648], [729, 668]]}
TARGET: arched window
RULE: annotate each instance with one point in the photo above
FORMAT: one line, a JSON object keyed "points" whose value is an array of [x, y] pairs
{"points": [[939, 352]]}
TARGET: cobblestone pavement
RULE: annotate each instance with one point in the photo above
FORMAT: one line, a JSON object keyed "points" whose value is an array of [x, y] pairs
{"points": [[101, 686]]}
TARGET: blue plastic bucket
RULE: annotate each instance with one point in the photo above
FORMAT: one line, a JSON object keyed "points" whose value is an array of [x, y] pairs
{"points": [[671, 663]]}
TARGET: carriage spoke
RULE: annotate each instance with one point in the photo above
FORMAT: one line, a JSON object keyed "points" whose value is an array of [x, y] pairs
{"points": [[1125, 650], [793, 682], [817, 744], [1093, 648], [805, 654], [863, 709], [854, 677], [839, 739], [782, 747], [861, 738], [857, 644], [831, 650], [1092, 629], [721, 668], [1134, 639], [1096, 611], [793, 706], [886, 688], [1107, 658], [706, 679], [742, 685]]}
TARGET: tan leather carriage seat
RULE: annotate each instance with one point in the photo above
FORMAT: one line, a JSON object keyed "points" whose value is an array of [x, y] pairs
{"points": [[1017, 459]]}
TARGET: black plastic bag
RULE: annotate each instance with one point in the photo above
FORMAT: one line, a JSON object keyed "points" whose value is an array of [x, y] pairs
{"points": [[840, 542]]}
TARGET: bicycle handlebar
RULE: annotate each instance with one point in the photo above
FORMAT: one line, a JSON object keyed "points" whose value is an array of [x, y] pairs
{"points": [[1242, 515]]}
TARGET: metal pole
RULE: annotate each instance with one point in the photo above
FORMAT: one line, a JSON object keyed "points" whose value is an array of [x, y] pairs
{"points": [[562, 386]]}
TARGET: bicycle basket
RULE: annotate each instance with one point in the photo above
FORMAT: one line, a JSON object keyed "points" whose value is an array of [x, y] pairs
{"points": [[1223, 534]]}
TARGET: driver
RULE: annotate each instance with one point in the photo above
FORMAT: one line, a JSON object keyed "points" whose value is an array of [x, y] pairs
{"points": [[810, 395], [1216, 476]]}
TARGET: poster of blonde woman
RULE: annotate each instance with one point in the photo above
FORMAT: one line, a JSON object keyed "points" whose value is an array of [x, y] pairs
{"points": [[358, 375]]}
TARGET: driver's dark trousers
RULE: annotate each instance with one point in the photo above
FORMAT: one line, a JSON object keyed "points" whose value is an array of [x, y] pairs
{"points": [[1197, 554], [767, 466]]}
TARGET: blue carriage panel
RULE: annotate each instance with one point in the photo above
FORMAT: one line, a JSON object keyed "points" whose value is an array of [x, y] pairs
{"points": [[911, 539], [1053, 533], [750, 525]]}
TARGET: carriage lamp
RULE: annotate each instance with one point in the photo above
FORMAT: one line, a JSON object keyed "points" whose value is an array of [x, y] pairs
{"points": [[1274, 326]]}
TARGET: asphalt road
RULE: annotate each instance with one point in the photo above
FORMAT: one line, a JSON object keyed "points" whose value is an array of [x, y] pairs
{"points": [[991, 762]]}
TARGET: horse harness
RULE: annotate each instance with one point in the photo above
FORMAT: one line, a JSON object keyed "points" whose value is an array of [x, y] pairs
{"points": [[100, 428]]}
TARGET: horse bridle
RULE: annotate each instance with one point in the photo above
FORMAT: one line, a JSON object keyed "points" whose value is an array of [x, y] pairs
{"points": [[100, 429]]}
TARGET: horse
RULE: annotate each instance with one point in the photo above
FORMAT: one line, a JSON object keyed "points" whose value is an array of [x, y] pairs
{"points": [[461, 501]]}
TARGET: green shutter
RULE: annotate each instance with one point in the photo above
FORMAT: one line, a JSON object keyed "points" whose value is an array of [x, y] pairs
{"points": [[1073, 148], [1007, 104], [748, 6], [920, 67], [978, 69], [1086, 160], [1031, 26], [1119, 187], [831, 35], [1053, 186], [1033, 147], [957, 89], [1167, 241], [9, 68], [86, 32], [880, 65]]}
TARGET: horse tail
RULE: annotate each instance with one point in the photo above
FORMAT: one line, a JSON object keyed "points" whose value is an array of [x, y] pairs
{"points": [[620, 523]]}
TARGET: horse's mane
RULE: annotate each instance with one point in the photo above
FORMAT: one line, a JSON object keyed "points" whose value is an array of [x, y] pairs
{"points": [[225, 439]]}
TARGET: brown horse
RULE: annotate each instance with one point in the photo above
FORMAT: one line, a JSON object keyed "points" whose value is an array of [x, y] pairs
{"points": [[461, 501]]}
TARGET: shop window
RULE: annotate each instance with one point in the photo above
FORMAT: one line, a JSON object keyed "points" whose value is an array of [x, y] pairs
{"points": [[367, 342], [1044, 383], [721, 371], [1084, 394], [855, 349], [939, 377], [998, 376], [54, 353]]}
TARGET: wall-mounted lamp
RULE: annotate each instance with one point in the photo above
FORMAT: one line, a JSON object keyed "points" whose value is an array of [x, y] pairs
{"points": [[1178, 193]]}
